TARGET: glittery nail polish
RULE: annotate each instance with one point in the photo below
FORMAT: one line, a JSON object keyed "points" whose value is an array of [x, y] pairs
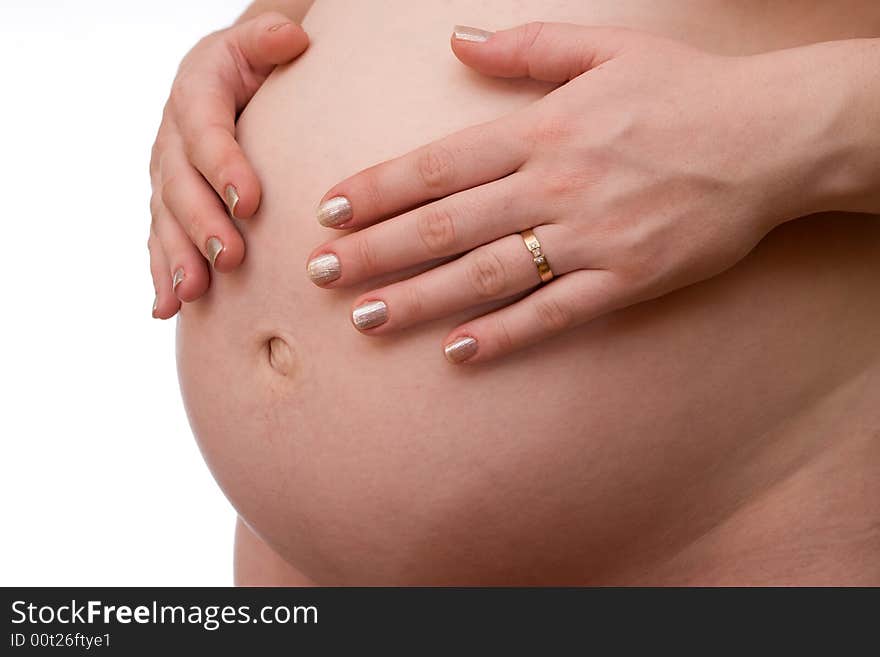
{"points": [[370, 314], [334, 211], [461, 349], [214, 247], [324, 268], [473, 34], [231, 196]]}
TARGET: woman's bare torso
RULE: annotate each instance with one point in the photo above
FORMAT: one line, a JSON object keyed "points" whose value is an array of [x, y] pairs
{"points": [[729, 432]]}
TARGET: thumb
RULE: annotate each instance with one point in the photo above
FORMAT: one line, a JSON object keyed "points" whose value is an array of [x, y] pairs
{"points": [[268, 40], [553, 52]]}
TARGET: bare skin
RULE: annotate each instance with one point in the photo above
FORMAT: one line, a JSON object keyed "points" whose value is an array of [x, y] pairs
{"points": [[257, 564], [724, 433]]}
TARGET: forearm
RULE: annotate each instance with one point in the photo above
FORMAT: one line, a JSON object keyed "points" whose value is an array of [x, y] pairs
{"points": [[295, 9]]}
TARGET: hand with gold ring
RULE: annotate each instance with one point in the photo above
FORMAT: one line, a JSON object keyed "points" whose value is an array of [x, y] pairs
{"points": [[652, 166]]}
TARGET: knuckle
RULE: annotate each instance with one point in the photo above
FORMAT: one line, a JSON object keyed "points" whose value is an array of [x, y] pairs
{"points": [[155, 156], [436, 228], [436, 167], [227, 148], [272, 17], [212, 152], [188, 214], [180, 91], [567, 183], [553, 315], [369, 189], [167, 121], [155, 206], [639, 269], [206, 40], [529, 36], [246, 76], [415, 300], [367, 256], [194, 223], [502, 335], [210, 41], [487, 275], [551, 128], [559, 185], [195, 142], [168, 190], [631, 267]]}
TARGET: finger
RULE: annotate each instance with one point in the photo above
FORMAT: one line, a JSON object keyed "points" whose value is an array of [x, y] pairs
{"points": [[166, 304], [472, 157], [166, 128], [552, 52], [187, 270], [209, 143], [497, 270], [446, 227], [206, 106], [557, 306], [204, 116], [198, 211], [268, 40]]}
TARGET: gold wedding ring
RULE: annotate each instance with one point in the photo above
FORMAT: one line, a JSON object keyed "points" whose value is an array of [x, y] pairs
{"points": [[534, 247]]}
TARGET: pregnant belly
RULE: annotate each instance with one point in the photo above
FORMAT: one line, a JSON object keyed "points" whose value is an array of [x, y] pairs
{"points": [[597, 456]]}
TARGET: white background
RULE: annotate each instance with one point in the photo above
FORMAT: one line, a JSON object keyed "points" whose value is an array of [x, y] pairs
{"points": [[101, 482]]}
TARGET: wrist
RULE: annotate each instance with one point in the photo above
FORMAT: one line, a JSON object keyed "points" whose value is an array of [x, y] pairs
{"points": [[841, 107], [815, 149]]}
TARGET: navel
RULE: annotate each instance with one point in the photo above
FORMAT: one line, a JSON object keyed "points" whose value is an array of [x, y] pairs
{"points": [[282, 357]]}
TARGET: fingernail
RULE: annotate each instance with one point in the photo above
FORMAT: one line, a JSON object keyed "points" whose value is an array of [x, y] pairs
{"points": [[474, 34], [460, 350], [370, 314], [155, 303], [214, 247], [177, 279], [324, 268], [334, 211], [231, 194], [277, 27]]}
